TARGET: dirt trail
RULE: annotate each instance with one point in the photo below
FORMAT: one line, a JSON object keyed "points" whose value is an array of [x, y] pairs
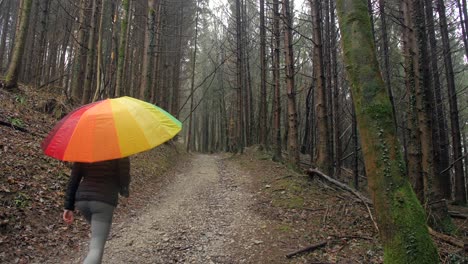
{"points": [[202, 216]]}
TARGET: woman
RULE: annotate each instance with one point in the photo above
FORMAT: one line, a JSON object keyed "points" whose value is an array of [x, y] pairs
{"points": [[93, 189]]}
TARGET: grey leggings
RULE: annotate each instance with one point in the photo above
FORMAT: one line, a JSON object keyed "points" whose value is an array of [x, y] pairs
{"points": [[99, 215]]}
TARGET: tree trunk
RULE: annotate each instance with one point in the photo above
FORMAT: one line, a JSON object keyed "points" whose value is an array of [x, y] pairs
{"points": [[322, 160], [262, 124], [276, 79], [293, 149], [11, 78], [5, 30], [192, 84], [122, 47], [29, 68], [99, 64], [240, 78], [460, 191], [355, 149], [147, 53], [463, 15], [400, 217], [439, 218], [326, 49], [90, 56], [336, 94], [80, 56], [411, 81], [441, 143], [41, 73], [178, 61]]}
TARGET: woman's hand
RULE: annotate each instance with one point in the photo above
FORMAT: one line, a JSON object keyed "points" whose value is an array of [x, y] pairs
{"points": [[68, 216]]}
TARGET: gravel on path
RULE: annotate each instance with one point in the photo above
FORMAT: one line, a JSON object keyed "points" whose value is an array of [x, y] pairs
{"points": [[202, 216]]}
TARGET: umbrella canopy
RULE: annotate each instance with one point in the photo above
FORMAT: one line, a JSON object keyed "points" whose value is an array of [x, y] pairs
{"points": [[110, 129]]}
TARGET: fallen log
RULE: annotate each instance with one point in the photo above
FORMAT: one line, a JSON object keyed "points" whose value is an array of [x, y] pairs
{"points": [[307, 249], [449, 240]]}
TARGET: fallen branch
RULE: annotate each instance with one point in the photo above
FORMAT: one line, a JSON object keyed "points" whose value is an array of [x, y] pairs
{"points": [[454, 162], [339, 184], [14, 127], [352, 237], [343, 186], [449, 240], [457, 215], [307, 249]]}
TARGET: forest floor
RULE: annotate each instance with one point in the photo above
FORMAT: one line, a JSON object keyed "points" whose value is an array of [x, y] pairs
{"points": [[183, 208]]}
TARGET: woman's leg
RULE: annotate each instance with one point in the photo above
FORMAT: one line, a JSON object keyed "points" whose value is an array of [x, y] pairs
{"points": [[101, 221], [83, 207]]}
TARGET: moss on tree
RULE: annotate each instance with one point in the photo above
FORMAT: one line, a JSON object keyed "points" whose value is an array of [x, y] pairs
{"points": [[400, 216]]}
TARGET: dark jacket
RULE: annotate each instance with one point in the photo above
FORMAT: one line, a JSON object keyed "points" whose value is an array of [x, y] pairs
{"points": [[99, 181]]}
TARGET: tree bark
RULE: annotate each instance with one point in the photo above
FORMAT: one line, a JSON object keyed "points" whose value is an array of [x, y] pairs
{"points": [[411, 81], [90, 55], [322, 159], [192, 85], [400, 217], [441, 143], [5, 30], [11, 78], [460, 190], [262, 124], [276, 79], [293, 149], [122, 47]]}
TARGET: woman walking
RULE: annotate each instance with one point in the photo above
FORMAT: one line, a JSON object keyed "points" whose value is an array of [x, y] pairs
{"points": [[93, 189]]}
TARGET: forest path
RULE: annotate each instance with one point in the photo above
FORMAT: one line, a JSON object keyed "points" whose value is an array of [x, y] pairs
{"points": [[201, 216]]}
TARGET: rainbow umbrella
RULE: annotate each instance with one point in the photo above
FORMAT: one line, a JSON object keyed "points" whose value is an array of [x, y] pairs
{"points": [[110, 129]]}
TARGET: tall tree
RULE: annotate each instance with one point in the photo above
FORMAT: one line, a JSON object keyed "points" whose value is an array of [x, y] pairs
{"points": [[79, 63], [262, 124], [122, 47], [337, 113], [147, 54], [11, 78], [293, 149], [414, 160], [276, 80], [460, 189], [440, 137], [5, 22], [437, 210], [400, 217], [322, 159], [190, 141], [90, 55], [463, 15], [239, 80], [99, 63]]}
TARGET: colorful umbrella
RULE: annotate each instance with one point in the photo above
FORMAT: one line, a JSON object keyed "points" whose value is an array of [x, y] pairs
{"points": [[110, 129]]}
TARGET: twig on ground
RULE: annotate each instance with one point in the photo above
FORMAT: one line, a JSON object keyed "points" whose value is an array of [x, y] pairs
{"points": [[352, 237], [314, 209], [307, 249], [14, 127]]}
